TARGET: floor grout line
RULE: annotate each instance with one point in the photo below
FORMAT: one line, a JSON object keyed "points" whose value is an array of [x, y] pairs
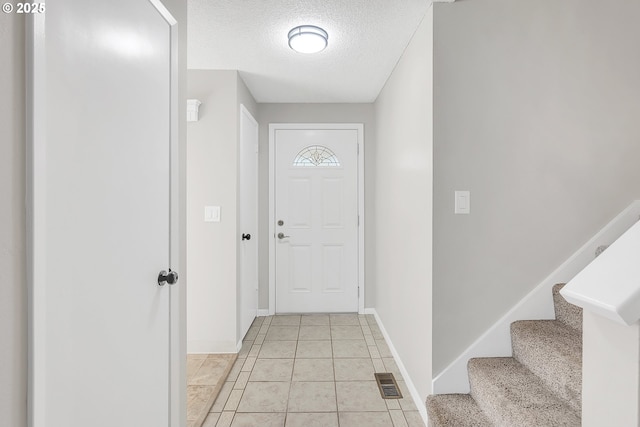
{"points": [[365, 327]]}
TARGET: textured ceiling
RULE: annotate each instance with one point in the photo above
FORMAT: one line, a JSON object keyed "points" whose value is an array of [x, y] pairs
{"points": [[366, 39]]}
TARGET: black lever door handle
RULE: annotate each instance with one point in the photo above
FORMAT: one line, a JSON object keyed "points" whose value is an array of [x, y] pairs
{"points": [[246, 236]]}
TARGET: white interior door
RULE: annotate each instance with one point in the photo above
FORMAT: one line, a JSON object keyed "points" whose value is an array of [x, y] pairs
{"points": [[316, 220], [248, 220], [102, 150]]}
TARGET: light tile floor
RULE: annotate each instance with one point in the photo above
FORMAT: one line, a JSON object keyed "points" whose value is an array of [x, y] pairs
{"points": [[206, 375], [312, 371]]}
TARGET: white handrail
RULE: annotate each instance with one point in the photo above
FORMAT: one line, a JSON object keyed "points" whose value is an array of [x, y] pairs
{"points": [[610, 284]]}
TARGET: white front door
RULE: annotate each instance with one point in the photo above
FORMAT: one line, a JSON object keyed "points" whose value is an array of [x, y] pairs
{"points": [[103, 153], [316, 220], [248, 220]]}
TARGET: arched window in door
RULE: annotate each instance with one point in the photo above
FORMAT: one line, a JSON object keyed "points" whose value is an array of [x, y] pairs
{"points": [[316, 155]]}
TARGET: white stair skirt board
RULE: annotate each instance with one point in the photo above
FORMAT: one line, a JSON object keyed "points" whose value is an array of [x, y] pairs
{"points": [[538, 304], [405, 375]]}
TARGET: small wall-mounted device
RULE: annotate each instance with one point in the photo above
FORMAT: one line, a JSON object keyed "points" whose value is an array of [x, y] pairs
{"points": [[193, 107], [212, 214], [462, 202]]}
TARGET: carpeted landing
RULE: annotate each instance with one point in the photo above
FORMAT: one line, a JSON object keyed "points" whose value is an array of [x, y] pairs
{"points": [[540, 386]]}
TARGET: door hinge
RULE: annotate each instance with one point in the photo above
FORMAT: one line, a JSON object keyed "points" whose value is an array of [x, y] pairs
{"points": [[358, 291], [358, 220], [358, 149]]}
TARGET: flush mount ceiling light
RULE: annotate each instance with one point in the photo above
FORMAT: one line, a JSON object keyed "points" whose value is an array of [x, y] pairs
{"points": [[308, 39]]}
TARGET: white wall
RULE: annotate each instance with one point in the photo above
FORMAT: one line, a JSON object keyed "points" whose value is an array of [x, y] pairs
{"points": [[610, 387], [13, 291], [403, 202], [536, 113], [317, 113], [212, 180]]}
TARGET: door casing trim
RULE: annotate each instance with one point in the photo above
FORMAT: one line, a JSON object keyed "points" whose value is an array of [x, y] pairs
{"points": [[359, 127]]}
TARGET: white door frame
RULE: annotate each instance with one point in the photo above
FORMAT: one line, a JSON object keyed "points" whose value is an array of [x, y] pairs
{"points": [[359, 127], [36, 197], [178, 295]]}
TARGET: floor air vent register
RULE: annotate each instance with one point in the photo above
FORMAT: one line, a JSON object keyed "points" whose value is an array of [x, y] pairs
{"points": [[388, 386]]}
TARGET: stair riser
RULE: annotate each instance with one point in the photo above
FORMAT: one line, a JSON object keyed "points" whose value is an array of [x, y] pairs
{"points": [[455, 410], [568, 314], [512, 396], [553, 353]]}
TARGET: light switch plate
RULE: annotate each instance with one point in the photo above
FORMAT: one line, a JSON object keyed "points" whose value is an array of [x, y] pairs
{"points": [[212, 214], [462, 202]]}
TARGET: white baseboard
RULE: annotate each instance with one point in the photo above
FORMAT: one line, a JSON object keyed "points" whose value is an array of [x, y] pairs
{"points": [[405, 375], [263, 312], [538, 304]]}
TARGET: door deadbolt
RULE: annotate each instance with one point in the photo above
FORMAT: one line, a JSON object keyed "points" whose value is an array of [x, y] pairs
{"points": [[280, 222]]}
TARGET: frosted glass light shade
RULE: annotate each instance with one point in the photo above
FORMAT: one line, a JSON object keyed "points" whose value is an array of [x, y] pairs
{"points": [[308, 39]]}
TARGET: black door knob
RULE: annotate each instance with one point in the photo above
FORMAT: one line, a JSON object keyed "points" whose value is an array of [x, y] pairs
{"points": [[171, 278], [246, 236]]}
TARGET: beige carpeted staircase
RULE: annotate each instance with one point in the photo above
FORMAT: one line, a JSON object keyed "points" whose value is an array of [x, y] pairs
{"points": [[540, 386]]}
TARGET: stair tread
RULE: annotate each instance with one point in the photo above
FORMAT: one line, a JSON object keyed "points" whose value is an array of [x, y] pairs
{"points": [[553, 351], [566, 312], [455, 410], [511, 395]]}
